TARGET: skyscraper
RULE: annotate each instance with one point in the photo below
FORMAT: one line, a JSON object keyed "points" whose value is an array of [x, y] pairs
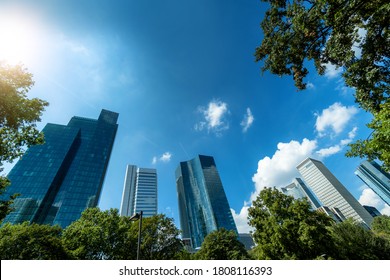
{"points": [[331, 192], [298, 189], [372, 210], [376, 178], [61, 178], [139, 192], [203, 206]]}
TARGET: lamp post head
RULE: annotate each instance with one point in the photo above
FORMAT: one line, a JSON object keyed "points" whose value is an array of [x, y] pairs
{"points": [[135, 217]]}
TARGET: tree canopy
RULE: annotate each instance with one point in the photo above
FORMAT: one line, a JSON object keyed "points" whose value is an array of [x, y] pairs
{"points": [[18, 114], [100, 235], [104, 235], [31, 242], [381, 226], [286, 228], [377, 145], [18, 117], [222, 244], [353, 35], [160, 238], [353, 242]]}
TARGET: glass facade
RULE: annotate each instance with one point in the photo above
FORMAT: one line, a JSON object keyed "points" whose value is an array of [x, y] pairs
{"points": [[298, 189], [203, 206], [331, 192], [61, 178], [372, 210], [139, 192], [376, 178]]}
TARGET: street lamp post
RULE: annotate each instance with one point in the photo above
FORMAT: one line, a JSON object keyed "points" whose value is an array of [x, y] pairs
{"points": [[135, 217]]}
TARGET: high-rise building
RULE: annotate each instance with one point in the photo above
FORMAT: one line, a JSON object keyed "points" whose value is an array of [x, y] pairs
{"points": [[139, 192], [331, 192], [58, 180], [372, 210], [376, 178], [203, 206], [247, 240], [298, 189], [334, 213]]}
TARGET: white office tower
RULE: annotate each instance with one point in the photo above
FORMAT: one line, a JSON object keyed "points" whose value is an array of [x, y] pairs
{"points": [[139, 192], [331, 192]]}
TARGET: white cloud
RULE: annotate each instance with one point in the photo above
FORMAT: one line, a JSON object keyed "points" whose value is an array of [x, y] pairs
{"points": [[351, 136], [165, 157], [281, 168], [310, 86], [385, 210], [275, 171], [325, 152], [214, 117], [335, 117], [248, 120], [352, 133], [370, 198], [332, 71], [215, 113], [241, 220]]}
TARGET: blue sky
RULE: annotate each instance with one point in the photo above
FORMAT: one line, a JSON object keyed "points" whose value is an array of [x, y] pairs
{"points": [[182, 76]]}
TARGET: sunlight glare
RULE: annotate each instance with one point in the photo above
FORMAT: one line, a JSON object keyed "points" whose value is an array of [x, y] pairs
{"points": [[20, 38]]}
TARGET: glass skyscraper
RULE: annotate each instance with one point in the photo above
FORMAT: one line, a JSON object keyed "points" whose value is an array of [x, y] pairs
{"points": [[376, 178], [139, 192], [203, 206], [331, 192], [61, 178], [298, 189]]}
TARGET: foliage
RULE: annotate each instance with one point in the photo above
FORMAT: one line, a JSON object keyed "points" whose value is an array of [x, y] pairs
{"points": [[104, 235], [31, 242], [353, 35], [354, 242], [381, 226], [327, 32], [18, 114], [222, 245], [5, 204], [160, 239], [100, 235], [286, 228], [184, 255], [18, 117], [377, 146]]}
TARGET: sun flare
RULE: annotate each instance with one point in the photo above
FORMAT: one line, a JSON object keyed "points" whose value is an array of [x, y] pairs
{"points": [[19, 39]]}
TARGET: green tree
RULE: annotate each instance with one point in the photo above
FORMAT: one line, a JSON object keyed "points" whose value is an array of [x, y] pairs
{"points": [[381, 226], [353, 242], [286, 228], [18, 117], [324, 32], [377, 145], [31, 242], [222, 244], [104, 235], [100, 235], [160, 239]]}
